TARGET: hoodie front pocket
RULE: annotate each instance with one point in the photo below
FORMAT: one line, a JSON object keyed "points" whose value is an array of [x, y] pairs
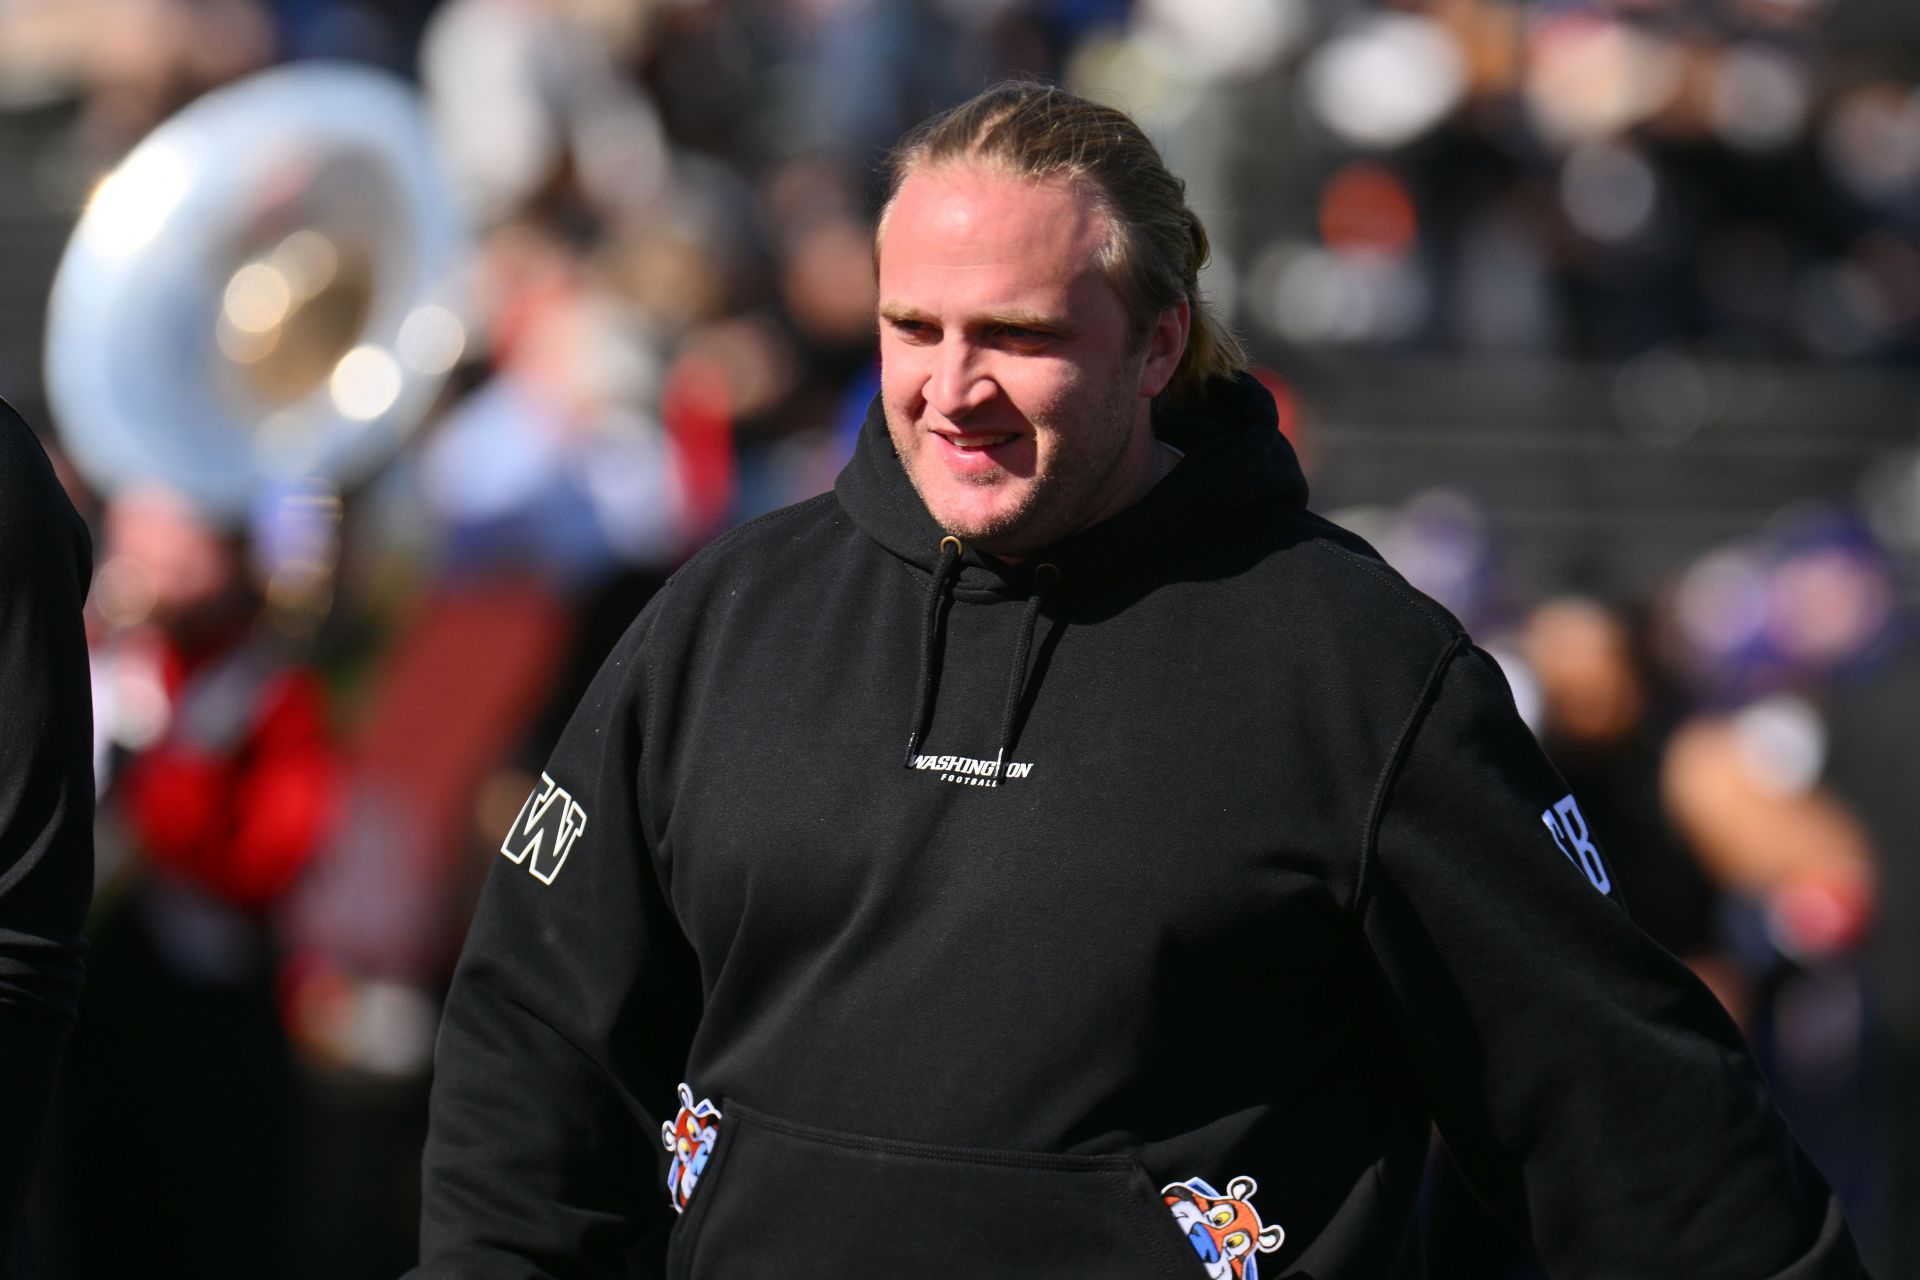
{"points": [[789, 1200]]}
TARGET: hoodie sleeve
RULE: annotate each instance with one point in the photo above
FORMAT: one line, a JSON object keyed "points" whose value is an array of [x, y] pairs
{"points": [[46, 795], [1594, 1092], [567, 1023]]}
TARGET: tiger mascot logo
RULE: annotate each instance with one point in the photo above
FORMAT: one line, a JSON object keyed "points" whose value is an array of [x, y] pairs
{"points": [[689, 1138], [1225, 1229]]}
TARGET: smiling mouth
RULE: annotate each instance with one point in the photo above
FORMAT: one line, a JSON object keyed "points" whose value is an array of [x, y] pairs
{"points": [[977, 440]]}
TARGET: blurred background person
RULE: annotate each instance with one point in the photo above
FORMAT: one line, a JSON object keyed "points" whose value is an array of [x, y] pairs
{"points": [[1605, 721], [1870, 770], [1767, 630], [221, 784]]}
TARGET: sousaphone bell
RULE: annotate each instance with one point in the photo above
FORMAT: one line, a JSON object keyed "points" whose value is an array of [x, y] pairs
{"points": [[260, 293]]}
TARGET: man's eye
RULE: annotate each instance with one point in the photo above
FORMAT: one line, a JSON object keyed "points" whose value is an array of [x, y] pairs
{"points": [[1021, 340], [913, 330]]}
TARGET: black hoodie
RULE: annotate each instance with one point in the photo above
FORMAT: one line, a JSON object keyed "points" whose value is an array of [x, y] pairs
{"points": [[46, 795], [1089, 917]]}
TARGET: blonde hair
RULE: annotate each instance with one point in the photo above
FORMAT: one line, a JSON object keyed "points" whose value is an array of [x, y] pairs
{"points": [[1155, 243]]}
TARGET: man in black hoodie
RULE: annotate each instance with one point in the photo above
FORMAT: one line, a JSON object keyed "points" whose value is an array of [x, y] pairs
{"points": [[46, 798], [1216, 867]]}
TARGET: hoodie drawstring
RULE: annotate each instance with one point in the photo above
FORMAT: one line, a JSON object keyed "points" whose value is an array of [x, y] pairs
{"points": [[943, 574], [1043, 577]]}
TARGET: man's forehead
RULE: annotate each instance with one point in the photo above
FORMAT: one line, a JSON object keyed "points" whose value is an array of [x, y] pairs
{"points": [[947, 177], [949, 208]]}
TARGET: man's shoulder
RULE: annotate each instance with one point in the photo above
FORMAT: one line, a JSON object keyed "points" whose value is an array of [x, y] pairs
{"points": [[726, 578], [789, 535], [1320, 614], [791, 550], [1347, 586]]}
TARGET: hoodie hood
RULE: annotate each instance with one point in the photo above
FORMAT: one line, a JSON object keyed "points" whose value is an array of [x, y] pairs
{"points": [[1234, 457]]}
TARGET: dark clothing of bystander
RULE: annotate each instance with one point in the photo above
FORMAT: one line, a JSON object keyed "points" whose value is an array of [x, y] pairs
{"points": [[46, 795]]}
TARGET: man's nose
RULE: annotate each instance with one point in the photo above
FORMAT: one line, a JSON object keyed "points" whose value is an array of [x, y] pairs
{"points": [[959, 384]]}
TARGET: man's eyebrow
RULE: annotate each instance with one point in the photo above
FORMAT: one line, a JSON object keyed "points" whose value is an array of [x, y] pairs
{"points": [[1024, 318], [1015, 317]]}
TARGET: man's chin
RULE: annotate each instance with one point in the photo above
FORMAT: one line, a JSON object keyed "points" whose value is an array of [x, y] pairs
{"points": [[979, 515], [974, 533], [1008, 539]]}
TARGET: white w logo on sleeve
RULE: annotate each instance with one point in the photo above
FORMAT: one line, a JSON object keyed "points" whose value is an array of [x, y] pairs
{"points": [[549, 811]]}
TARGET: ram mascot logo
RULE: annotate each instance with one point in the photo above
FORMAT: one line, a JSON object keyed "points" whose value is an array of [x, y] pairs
{"points": [[1225, 1229], [689, 1138]]}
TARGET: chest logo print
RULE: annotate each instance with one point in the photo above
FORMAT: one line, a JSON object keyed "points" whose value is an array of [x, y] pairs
{"points": [[543, 834], [1224, 1230], [689, 1139], [1569, 828], [967, 771]]}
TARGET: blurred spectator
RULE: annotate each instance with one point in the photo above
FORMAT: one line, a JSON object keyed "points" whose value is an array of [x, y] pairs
{"points": [[179, 1087], [1870, 769], [1602, 725], [133, 62], [1768, 630], [1869, 718], [555, 464]]}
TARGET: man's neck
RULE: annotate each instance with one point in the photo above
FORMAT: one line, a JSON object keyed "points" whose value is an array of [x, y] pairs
{"points": [[1161, 463]]}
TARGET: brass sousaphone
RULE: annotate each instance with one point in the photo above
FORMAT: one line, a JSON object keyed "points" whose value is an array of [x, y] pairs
{"points": [[260, 292]]}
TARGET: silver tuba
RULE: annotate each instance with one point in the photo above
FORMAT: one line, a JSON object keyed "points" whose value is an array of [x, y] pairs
{"points": [[260, 292]]}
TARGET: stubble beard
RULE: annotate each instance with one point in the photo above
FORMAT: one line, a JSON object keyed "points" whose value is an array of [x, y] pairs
{"points": [[1058, 500]]}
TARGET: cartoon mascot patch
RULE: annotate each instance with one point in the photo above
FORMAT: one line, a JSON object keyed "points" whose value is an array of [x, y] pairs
{"points": [[689, 1138], [1225, 1229]]}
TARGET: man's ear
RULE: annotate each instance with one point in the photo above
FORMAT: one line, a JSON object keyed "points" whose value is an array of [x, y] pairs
{"points": [[1166, 343]]}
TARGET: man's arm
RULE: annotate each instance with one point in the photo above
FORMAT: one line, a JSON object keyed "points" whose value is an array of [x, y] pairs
{"points": [[46, 795], [1589, 1086], [567, 1026]]}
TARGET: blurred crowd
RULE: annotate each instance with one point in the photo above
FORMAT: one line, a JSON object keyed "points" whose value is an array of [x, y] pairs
{"points": [[318, 712], [1741, 739]]}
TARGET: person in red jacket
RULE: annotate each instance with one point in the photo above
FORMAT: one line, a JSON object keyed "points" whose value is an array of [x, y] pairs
{"points": [[225, 789]]}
